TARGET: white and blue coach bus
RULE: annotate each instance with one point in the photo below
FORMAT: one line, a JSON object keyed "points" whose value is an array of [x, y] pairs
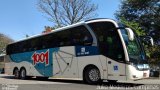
{"points": [[94, 50]]}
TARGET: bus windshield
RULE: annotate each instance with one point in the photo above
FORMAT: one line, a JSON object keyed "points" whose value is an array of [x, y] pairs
{"points": [[135, 51]]}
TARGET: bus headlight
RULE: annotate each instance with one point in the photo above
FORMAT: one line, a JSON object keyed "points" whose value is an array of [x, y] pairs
{"points": [[142, 66]]}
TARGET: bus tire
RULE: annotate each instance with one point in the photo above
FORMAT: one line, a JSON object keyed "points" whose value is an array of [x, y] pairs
{"points": [[16, 73], [23, 73], [92, 75]]}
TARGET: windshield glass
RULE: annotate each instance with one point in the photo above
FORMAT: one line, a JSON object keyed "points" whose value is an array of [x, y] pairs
{"points": [[135, 50]]}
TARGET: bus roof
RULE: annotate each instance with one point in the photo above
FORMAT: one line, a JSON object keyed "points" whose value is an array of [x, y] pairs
{"points": [[69, 26]]}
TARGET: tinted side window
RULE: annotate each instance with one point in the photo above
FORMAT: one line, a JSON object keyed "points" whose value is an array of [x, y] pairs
{"points": [[69, 37], [109, 41], [81, 36], [15, 48], [9, 49], [23, 46], [34, 43], [114, 46], [64, 38], [74, 37], [51, 40]]}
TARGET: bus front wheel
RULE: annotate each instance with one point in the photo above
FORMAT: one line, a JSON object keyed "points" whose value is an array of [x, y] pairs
{"points": [[92, 75]]}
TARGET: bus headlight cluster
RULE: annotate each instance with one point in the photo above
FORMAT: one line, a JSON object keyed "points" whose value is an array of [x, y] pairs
{"points": [[142, 66]]}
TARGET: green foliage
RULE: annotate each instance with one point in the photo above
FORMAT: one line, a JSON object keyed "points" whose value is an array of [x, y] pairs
{"points": [[143, 16], [133, 25], [144, 12], [154, 54]]}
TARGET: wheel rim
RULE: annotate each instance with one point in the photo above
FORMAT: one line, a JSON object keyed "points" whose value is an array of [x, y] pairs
{"points": [[23, 73], [94, 75]]}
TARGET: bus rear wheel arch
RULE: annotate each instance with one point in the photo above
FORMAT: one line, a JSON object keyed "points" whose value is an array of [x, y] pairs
{"points": [[91, 75]]}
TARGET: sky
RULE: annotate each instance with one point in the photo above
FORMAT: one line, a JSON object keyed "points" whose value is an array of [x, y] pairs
{"points": [[19, 18]]}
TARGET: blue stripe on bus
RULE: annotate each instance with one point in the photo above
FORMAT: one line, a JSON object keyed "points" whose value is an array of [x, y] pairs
{"points": [[42, 68], [47, 70]]}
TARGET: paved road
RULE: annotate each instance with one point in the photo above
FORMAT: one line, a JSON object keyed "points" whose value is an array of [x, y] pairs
{"points": [[55, 84]]}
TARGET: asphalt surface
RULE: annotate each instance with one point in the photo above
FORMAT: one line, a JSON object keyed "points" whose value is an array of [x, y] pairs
{"points": [[9, 83]]}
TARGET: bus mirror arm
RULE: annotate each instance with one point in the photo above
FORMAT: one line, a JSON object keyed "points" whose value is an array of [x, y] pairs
{"points": [[151, 41], [147, 40]]}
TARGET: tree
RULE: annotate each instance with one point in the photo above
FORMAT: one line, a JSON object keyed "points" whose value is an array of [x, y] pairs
{"points": [[4, 40], [144, 12], [66, 12], [133, 25], [48, 29]]}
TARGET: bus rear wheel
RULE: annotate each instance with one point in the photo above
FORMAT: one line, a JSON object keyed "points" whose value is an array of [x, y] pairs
{"points": [[92, 75], [16, 73], [23, 74]]}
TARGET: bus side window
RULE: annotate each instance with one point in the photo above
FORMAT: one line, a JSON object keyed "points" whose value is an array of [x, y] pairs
{"points": [[81, 36], [109, 42], [114, 46], [64, 38], [87, 39]]}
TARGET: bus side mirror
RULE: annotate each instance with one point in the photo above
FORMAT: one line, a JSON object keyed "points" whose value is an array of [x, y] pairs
{"points": [[130, 34], [147, 40]]}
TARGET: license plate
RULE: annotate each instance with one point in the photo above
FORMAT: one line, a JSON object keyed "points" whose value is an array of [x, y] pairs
{"points": [[144, 74]]}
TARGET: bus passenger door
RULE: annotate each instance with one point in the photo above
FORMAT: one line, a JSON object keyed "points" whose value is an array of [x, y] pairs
{"points": [[115, 56], [111, 47], [116, 70]]}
